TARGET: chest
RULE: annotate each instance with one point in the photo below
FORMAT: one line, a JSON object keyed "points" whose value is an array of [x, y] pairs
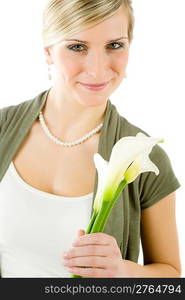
{"points": [[65, 171]]}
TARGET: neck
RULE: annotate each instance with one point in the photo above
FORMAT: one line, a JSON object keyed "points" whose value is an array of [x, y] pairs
{"points": [[68, 119]]}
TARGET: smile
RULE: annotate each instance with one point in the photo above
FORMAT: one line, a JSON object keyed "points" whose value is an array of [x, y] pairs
{"points": [[95, 87]]}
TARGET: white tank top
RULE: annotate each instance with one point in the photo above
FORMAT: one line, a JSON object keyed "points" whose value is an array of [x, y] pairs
{"points": [[36, 227]]}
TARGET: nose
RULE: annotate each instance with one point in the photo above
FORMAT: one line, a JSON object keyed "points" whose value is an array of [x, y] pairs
{"points": [[97, 65]]}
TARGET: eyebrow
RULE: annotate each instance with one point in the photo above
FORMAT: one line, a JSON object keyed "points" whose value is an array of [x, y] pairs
{"points": [[123, 37]]}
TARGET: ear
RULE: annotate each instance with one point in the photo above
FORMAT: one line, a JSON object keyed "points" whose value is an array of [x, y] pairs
{"points": [[47, 52]]}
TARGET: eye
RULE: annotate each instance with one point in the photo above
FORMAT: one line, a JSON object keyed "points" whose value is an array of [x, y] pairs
{"points": [[81, 47], [117, 45], [76, 47]]}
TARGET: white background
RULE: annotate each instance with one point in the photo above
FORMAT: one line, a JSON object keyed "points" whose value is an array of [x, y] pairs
{"points": [[152, 97]]}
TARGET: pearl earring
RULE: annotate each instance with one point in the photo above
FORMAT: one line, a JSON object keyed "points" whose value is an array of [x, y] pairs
{"points": [[125, 75], [49, 73]]}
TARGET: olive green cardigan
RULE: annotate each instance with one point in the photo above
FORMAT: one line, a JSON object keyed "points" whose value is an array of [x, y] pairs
{"points": [[147, 189]]}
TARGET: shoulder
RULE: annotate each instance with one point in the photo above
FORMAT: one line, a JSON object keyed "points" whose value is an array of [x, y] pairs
{"points": [[129, 129], [126, 128], [12, 113], [7, 112], [158, 154], [152, 188]]}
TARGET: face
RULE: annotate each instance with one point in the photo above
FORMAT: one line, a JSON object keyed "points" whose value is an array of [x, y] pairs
{"points": [[100, 56]]}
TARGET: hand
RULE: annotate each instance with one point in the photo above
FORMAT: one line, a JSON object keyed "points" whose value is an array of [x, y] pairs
{"points": [[98, 253]]}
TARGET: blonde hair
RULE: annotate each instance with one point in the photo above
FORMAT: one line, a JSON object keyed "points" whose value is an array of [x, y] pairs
{"points": [[63, 18]]}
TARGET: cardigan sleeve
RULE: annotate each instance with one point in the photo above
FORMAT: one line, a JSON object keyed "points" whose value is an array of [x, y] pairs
{"points": [[0, 120], [153, 188]]}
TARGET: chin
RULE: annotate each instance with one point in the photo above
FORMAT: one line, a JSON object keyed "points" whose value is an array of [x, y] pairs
{"points": [[96, 101], [92, 98]]}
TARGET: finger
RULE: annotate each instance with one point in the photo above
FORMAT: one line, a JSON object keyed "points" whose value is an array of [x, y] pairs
{"points": [[88, 261], [98, 250], [94, 238], [92, 272]]}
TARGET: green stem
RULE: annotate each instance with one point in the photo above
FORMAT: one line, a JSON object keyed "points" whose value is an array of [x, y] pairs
{"points": [[107, 205], [88, 230], [120, 188], [98, 220]]}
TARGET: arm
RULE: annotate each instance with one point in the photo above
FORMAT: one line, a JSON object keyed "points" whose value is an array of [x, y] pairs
{"points": [[159, 241]]}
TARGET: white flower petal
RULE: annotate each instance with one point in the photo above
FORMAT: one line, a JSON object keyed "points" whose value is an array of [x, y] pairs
{"points": [[140, 165], [124, 152], [146, 164], [101, 166]]}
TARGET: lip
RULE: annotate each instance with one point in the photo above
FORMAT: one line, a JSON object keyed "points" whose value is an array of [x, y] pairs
{"points": [[95, 86]]}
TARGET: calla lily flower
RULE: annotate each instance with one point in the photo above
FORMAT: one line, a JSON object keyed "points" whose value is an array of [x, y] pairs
{"points": [[129, 158]]}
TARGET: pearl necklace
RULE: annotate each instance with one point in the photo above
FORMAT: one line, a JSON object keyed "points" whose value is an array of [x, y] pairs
{"points": [[67, 144]]}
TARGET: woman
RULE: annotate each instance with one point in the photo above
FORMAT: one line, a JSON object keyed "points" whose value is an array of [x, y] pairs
{"points": [[47, 165]]}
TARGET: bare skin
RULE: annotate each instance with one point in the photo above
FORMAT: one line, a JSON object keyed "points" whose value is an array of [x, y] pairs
{"points": [[55, 169]]}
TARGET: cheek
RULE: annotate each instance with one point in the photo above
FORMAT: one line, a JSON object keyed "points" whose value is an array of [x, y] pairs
{"points": [[72, 63], [69, 67], [120, 63]]}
